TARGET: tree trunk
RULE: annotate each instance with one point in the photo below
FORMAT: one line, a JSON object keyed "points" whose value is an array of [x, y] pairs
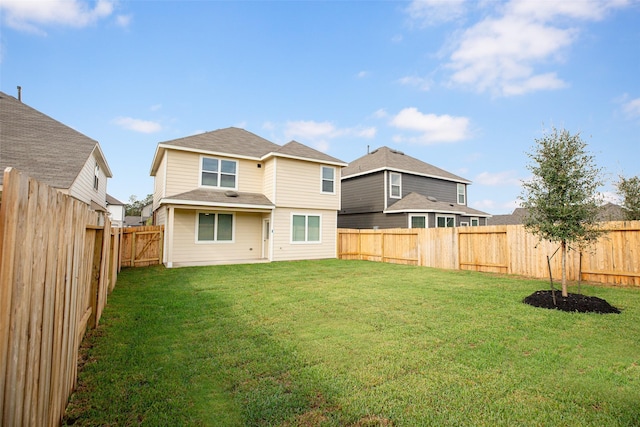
{"points": [[565, 293]]}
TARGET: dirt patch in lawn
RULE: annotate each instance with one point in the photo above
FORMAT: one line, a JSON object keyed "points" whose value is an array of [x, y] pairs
{"points": [[573, 302]]}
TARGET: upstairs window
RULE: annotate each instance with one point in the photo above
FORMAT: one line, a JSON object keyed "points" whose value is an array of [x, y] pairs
{"points": [[395, 185], [218, 172], [96, 177], [328, 179], [462, 194]]}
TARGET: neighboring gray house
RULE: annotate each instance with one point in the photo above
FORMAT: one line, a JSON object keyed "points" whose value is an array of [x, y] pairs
{"points": [[388, 189], [52, 152], [607, 212]]}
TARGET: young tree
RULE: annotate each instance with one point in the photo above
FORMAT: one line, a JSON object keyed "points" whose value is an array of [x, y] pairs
{"points": [[562, 198], [134, 207], [629, 190]]}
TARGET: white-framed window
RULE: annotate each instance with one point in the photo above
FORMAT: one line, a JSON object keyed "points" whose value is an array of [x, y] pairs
{"points": [[417, 221], [328, 179], [305, 228], [214, 227], [96, 177], [218, 172], [462, 194], [464, 224], [445, 221], [475, 222], [395, 185]]}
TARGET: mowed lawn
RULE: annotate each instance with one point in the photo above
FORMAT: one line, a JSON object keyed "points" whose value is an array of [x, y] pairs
{"points": [[356, 343]]}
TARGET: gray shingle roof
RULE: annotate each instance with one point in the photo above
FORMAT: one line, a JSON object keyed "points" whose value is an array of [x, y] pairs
{"points": [[298, 150], [414, 202], [229, 141], [606, 212], [113, 201], [386, 158], [40, 146], [218, 197]]}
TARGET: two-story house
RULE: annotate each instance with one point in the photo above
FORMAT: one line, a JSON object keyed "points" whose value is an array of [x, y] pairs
{"points": [[388, 189], [52, 152], [230, 196]]}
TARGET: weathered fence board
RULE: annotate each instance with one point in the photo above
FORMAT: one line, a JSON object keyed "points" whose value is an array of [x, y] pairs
{"points": [[614, 258], [54, 278]]}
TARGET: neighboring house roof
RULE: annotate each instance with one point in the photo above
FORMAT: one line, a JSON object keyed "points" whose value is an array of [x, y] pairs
{"points": [[113, 201], [414, 202], [385, 158], [607, 212], [207, 197], [42, 147], [235, 142]]}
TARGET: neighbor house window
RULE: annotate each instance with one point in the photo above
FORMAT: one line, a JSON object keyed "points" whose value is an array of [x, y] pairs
{"points": [[462, 194], [328, 179], [305, 228], [218, 172], [445, 221], [96, 177], [418, 221], [214, 227], [395, 185], [475, 222]]}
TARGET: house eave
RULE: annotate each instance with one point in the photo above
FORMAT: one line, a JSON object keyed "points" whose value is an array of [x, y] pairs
{"points": [[382, 169], [306, 159], [194, 204]]}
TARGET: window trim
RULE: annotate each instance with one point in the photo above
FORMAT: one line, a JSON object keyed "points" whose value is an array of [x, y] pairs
{"points": [[391, 196], [425, 216], [476, 219], [446, 217], [215, 228], [306, 240], [219, 160], [322, 179], [463, 194], [96, 176]]}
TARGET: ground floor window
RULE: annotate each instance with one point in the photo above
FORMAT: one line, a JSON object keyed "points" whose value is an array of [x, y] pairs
{"points": [[475, 222], [445, 221], [214, 227], [305, 228], [418, 221]]}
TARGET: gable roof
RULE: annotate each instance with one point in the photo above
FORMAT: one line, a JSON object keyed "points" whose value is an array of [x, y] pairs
{"points": [[385, 158], [113, 201], [301, 151], [414, 202], [236, 142], [42, 147]]}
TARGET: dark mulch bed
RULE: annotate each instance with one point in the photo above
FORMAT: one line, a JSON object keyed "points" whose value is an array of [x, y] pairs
{"points": [[574, 302]]}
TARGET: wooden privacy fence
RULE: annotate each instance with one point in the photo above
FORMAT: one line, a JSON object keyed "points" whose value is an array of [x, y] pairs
{"points": [[58, 261], [614, 258], [141, 246]]}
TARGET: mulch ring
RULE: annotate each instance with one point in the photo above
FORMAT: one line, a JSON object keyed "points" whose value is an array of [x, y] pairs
{"points": [[574, 302]]}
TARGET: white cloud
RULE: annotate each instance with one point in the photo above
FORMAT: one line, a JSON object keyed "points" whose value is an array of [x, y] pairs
{"points": [[430, 12], [380, 114], [494, 179], [363, 74], [137, 125], [421, 83], [30, 15], [502, 54], [432, 128], [319, 134], [124, 20], [632, 108], [156, 107]]}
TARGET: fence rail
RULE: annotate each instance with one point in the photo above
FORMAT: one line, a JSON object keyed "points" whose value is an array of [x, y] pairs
{"points": [[614, 258]]}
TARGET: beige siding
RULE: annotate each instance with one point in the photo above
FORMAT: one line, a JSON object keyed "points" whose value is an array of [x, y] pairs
{"points": [[299, 185], [159, 182], [247, 243], [267, 181], [82, 187], [285, 250], [160, 216], [183, 173]]}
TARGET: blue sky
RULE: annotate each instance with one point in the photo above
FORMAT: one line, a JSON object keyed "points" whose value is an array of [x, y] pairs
{"points": [[464, 85]]}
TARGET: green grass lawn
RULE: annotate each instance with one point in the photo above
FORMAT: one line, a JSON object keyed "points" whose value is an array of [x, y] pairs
{"points": [[334, 343]]}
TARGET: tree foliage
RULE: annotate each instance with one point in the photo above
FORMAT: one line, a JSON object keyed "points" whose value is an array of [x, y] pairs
{"points": [[134, 207], [629, 190], [562, 198]]}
